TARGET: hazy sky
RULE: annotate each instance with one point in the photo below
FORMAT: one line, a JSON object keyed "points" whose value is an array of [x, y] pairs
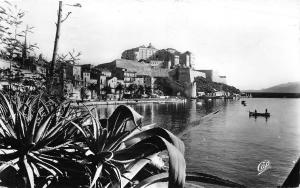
{"points": [[255, 43]]}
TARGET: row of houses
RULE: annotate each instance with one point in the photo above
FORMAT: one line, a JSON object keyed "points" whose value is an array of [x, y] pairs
{"points": [[140, 66], [72, 78]]}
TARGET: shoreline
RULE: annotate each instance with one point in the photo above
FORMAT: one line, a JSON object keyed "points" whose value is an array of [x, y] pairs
{"points": [[131, 101]]}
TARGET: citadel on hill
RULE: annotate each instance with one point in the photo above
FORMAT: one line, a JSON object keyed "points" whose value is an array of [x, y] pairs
{"points": [[147, 64], [143, 66]]}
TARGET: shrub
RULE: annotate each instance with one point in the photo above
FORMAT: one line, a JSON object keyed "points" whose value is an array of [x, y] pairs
{"points": [[34, 137], [112, 146], [45, 141]]}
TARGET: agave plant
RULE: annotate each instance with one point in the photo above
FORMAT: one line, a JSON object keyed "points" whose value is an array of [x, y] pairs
{"points": [[35, 135], [113, 146], [43, 140]]}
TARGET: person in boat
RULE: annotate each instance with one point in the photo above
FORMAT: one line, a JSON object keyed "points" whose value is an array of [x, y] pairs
{"points": [[255, 111], [266, 110]]}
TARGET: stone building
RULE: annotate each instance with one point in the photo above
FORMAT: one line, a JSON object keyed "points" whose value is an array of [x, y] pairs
{"points": [[157, 63], [139, 53], [180, 79], [112, 83], [86, 76], [128, 76], [187, 59], [119, 66], [167, 55], [131, 71], [73, 73], [139, 81]]}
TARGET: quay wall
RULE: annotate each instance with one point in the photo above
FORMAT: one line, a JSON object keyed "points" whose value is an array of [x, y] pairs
{"points": [[129, 101]]}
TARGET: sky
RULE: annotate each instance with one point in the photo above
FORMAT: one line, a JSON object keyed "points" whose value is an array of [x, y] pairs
{"points": [[255, 43]]}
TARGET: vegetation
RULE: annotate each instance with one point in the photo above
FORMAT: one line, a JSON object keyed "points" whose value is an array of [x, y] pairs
{"points": [[120, 88], [140, 90], [12, 36], [204, 85], [163, 85], [84, 93], [93, 88], [50, 144], [15, 48], [35, 134], [107, 90], [148, 90], [132, 88]]}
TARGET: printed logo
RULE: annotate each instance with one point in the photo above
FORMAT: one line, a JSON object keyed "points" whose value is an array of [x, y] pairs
{"points": [[263, 166]]}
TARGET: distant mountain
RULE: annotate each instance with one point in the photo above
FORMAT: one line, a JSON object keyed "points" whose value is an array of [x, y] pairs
{"points": [[290, 87]]}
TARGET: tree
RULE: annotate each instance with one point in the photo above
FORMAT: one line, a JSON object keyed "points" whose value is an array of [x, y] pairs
{"points": [[83, 93], [132, 88], [148, 90], [163, 85], [11, 37], [141, 90], [63, 60], [92, 88], [107, 90], [60, 20], [208, 86], [120, 88], [26, 49]]}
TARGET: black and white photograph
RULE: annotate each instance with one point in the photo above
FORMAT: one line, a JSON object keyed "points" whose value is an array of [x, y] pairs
{"points": [[149, 93]]}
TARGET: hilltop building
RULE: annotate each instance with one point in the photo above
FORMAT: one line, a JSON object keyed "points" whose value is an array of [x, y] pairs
{"points": [[180, 78], [164, 58], [142, 66], [187, 59], [139, 53]]}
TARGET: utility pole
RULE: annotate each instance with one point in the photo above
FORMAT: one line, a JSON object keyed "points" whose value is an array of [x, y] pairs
{"points": [[51, 72]]}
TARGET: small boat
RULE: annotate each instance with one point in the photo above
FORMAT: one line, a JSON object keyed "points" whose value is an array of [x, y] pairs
{"points": [[243, 102], [255, 114]]}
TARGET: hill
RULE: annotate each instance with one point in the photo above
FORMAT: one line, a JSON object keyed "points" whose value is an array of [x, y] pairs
{"points": [[290, 87], [207, 86]]}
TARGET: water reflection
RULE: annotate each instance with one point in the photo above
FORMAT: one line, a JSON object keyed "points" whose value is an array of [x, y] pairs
{"points": [[255, 117], [175, 117], [229, 144]]}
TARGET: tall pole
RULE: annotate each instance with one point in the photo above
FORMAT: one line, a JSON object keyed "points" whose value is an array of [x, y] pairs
{"points": [[24, 52], [50, 82]]}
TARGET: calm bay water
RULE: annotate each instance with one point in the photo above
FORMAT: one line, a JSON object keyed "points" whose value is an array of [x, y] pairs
{"points": [[229, 144]]}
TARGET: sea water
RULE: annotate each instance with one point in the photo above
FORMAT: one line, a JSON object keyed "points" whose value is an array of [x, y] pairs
{"points": [[228, 143]]}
